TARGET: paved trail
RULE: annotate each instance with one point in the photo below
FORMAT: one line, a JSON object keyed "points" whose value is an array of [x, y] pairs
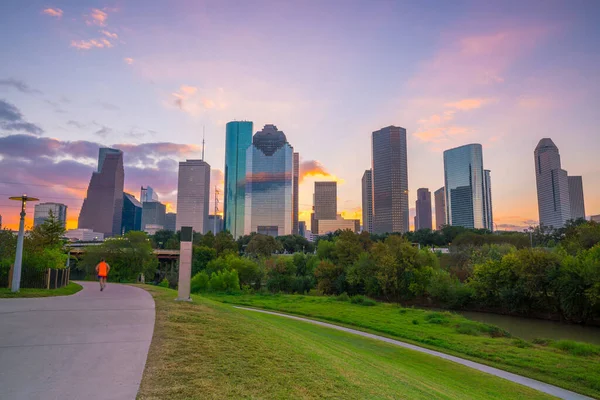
{"points": [[532, 383], [91, 345]]}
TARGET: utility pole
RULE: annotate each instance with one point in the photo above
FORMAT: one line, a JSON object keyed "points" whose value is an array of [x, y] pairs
{"points": [[16, 278], [216, 209]]}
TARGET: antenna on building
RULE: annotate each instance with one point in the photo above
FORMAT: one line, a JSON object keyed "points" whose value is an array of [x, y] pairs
{"points": [[202, 142], [216, 209]]}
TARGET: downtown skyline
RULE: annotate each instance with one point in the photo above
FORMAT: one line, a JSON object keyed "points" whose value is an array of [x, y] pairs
{"points": [[151, 92]]}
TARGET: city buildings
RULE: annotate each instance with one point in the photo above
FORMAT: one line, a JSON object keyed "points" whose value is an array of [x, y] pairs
{"points": [[147, 194], [390, 180], [171, 222], [325, 200], [423, 210], [487, 200], [269, 184], [193, 195], [43, 210], [440, 207], [215, 223], [302, 228], [367, 201], [552, 185], [153, 214], [326, 226], [595, 218], [238, 140], [295, 200], [132, 214], [576, 197], [84, 235], [466, 190], [102, 209]]}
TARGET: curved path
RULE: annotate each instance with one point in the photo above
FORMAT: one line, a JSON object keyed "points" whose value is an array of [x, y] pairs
{"points": [[532, 383], [91, 345]]}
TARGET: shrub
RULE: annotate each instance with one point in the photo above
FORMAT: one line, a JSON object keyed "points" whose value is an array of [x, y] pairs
{"points": [[343, 297], [468, 328], [164, 283], [542, 341], [415, 322], [362, 300], [477, 328], [520, 343], [577, 348], [199, 282], [437, 318], [403, 311]]}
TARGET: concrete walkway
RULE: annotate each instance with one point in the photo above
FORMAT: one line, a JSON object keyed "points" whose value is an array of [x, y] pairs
{"points": [[532, 383], [91, 345]]}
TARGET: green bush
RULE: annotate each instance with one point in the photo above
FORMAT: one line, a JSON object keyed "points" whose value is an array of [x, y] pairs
{"points": [[343, 297], [577, 348], [477, 328], [415, 322], [362, 300], [164, 283], [522, 344], [468, 328], [437, 318], [199, 282], [542, 341]]}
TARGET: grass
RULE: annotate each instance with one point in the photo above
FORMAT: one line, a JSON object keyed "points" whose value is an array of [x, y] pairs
{"points": [[70, 289], [209, 350], [571, 365]]}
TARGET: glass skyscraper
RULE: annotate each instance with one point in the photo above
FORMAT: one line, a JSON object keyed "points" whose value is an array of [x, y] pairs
{"points": [[238, 140], [269, 184], [468, 195], [132, 214], [42, 212], [367, 201]]}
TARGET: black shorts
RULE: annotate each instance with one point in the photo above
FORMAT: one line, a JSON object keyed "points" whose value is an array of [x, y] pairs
{"points": [[101, 276]]}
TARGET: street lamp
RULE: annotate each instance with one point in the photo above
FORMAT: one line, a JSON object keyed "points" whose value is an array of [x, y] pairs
{"points": [[16, 278]]}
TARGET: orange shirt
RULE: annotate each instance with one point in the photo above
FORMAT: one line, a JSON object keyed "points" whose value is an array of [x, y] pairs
{"points": [[102, 269]]}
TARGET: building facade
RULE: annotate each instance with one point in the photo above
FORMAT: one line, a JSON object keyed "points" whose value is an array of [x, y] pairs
{"points": [[487, 200], [215, 223], [295, 203], [367, 201], [440, 207], [465, 188], [423, 215], [43, 210], [325, 200], [595, 218], [171, 222], [326, 226], [153, 213], [552, 184], [132, 214], [193, 195], [84, 235], [269, 184], [390, 180], [576, 197], [147, 194], [238, 140], [102, 209]]}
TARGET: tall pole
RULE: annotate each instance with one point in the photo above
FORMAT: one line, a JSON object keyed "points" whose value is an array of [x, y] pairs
{"points": [[16, 278], [216, 210]]}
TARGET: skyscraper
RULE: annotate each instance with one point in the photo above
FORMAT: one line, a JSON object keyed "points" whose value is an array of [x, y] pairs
{"points": [[42, 212], [466, 192], [153, 213], [487, 200], [147, 194], [193, 195], [390, 180], [552, 185], [269, 183], [367, 201], [295, 228], [102, 209], [325, 200], [423, 205], [238, 140], [171, 222], [576, 197], [132, 214], [440, 207]]}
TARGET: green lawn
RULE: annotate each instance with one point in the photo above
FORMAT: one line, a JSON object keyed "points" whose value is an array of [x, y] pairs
{"points": [[71, 288], [208, 350], [571, 365]]}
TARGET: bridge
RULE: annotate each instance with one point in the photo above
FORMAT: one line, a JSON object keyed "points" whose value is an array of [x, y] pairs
{"points": [[77, 249]]}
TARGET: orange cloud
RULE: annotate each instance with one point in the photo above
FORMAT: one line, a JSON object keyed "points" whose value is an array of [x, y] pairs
{"points": [[128, 60], [90, 44], [313, 168], [97, 17], [469, 104], [355, 213], [109, 34], [53, 12]]}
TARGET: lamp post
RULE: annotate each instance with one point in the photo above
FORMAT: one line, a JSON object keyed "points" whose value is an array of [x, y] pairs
{"points": [[16, 278]]}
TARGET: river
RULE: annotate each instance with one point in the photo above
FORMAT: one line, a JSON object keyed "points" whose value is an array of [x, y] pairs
{"points": [[529, 328]]}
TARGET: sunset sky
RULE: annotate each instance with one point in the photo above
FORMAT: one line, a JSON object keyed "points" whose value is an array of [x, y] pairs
{"points": [[147, 76]]}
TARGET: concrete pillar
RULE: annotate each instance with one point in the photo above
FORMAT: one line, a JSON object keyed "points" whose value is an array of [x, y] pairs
{"points": [[185, 264]]}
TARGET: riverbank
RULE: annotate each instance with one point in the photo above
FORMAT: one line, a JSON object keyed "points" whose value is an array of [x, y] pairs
{"points": [[571, 365]]}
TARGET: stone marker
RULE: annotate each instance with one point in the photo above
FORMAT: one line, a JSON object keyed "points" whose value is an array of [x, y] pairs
{"points": [[185, 264]]}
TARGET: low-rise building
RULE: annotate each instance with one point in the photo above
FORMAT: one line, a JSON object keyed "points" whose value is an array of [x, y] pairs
{"points": [[84, 235]]}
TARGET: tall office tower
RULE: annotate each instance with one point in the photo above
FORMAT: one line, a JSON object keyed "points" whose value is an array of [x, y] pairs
{"points": [[193, 195], [440, 207], [576, 197], [269, 183], [238, 140], [148, 194], [153, 213], [367, 201], [302, 228], [132, 214], [552, 185], [42, 212], [465, 189], [325, 200], [215, 223], [487, 200], [423, 216], [102, 209], [171, 222], [295, 228], [390, 180]]}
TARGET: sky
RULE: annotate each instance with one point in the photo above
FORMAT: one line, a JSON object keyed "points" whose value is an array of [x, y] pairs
{"points": [[149, 77]]}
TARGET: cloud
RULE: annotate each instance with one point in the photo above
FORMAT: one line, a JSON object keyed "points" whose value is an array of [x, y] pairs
{"points": [[441, 134], [128, 60], [468, 104], [11, 119], [90, 44], [189, 100], [104, 131], [314, 169], [53, 12], [76, 124], [96, 17], [109, 106], [111, 35], [19, 85], [535, 102]]}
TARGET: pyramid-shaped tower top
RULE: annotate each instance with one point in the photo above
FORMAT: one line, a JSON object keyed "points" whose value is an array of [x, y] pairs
{"points": [[546, 144]]}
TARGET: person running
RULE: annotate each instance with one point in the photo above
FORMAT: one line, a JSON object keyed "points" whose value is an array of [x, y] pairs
{"points": [[102, 270]]}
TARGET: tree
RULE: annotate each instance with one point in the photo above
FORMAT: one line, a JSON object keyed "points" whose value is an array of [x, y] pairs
{"points": [[202, 255], [361, 276], [347, 248], [263, 246], [224, 243], [295, 243], [330, 277], [48, 234], [163, 237], [326, 250]]}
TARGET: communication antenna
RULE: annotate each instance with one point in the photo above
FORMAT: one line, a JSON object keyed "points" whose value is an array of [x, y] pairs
{"points": [[216, 209], [202, 142]]}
